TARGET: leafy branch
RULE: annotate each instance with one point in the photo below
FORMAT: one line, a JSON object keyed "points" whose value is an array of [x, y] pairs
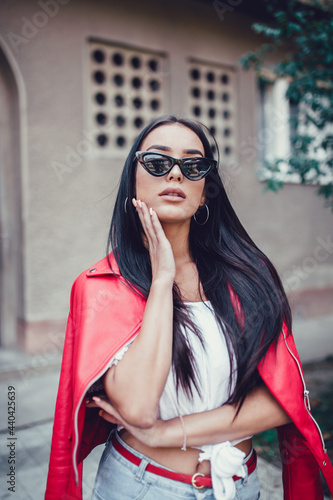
{"points": [[301, 33]]}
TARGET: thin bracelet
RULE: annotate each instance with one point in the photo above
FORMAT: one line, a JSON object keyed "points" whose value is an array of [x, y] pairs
{"points": [[184, 432]]}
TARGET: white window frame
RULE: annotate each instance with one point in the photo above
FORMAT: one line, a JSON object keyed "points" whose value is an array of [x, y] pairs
{"points": [[276, 132]]}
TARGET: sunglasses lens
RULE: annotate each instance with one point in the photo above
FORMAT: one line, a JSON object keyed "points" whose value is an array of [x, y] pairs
{"points": [[156, 164], [196, 169]]}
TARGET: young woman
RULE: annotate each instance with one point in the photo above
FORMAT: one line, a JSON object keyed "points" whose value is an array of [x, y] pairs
{"points": [[187, 330]]}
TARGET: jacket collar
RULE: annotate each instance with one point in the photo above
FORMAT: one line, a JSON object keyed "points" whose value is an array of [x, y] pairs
{"points": [[102, 267]]}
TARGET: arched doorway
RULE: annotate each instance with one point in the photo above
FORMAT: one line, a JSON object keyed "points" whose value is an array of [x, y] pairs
{"points": [[11, 267]]}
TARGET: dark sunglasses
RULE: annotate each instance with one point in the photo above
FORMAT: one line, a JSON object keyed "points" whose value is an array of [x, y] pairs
{"points": [[158, 164]]}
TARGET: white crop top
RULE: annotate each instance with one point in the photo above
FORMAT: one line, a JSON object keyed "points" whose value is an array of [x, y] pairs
{"points": [[213, 369], [213, 374]]}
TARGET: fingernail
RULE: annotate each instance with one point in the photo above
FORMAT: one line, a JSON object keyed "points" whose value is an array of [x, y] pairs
{"points": [[95, 398], [151, 211], [140, 204], [134, 202]]}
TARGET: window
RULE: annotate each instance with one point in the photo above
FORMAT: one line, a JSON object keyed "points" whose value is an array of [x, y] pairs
{"points": [[126, 92], [212, 101], [280, 122]]}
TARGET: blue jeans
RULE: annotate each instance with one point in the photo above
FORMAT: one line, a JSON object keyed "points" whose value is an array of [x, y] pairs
{"points": [[119, 479]]}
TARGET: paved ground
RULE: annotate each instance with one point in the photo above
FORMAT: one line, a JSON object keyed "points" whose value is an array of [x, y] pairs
{"points": [[35, 381]]}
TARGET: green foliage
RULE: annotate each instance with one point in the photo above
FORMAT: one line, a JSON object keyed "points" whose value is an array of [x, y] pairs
{"points": [[303, 34], [266, 445]]}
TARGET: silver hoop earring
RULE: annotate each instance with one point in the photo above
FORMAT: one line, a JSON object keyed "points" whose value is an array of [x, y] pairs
{"points": [[125, 204], [207, 217]]}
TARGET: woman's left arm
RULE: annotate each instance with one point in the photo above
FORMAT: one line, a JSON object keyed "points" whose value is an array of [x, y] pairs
{"points": [[259, 412]]}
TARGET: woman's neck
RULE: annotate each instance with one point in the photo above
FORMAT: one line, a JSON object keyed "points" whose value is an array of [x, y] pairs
{"points": [[187, 277]]}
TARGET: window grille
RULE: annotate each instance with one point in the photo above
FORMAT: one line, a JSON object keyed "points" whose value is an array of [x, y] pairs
{"points": [[126, 92], [212, 101]]}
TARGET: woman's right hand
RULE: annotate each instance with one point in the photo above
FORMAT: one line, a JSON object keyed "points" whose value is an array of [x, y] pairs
{"points": [[129, 385], [150, 436], [160, 251]]}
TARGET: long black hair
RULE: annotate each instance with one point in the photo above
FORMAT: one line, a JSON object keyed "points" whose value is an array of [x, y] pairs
{"points": [[241, 283]]}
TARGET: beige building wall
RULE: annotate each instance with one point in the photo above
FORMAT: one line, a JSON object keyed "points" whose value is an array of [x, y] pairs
{"points": [[68, 184]]}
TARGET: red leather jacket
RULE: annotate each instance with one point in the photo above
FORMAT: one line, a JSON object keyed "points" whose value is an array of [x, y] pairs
{"points": [[105, 314]]}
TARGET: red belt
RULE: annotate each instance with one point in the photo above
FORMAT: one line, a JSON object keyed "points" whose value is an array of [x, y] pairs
{"points": [[198, 480]]}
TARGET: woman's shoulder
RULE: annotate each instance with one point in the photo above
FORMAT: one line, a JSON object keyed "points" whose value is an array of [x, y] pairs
{"points": [[102, 284], [105, 266], [102, 268]]}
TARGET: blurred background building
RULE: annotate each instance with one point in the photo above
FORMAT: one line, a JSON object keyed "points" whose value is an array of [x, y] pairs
{"points": [[78, 80]]}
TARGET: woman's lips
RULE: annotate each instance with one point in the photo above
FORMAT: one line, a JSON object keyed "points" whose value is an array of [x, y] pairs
{"points": [[174, 194]]}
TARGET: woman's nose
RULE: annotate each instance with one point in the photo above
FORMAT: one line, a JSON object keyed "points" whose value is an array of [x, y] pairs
{"points": [[175, 174]]}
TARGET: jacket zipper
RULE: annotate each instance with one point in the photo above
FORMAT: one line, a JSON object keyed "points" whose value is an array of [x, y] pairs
{"points": [[305, 392], [76, 430]]}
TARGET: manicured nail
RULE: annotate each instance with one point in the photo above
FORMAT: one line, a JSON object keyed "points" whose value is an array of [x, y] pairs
{"points": [[140, 204], [134, 202], [151, 211], [95, 398]]}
